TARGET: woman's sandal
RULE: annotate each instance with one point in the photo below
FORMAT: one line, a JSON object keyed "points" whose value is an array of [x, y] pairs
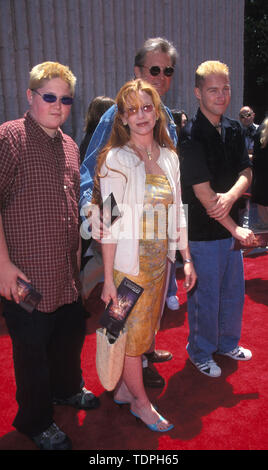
{"points": [[154, 427]]}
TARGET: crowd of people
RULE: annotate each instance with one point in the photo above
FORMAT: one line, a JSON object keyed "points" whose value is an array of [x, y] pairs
{"points": [[157, 163]]}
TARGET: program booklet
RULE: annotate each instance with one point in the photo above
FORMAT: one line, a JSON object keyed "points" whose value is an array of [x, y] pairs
{"points": [[261, 241], [114, 317], [28, 295]]}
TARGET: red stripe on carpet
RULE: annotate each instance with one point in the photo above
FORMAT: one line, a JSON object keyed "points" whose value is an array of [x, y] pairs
{"points": [[230, 412]]}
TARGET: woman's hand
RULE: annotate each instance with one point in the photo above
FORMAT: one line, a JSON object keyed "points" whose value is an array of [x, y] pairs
{"points": [[190, 276], [109, 292]]}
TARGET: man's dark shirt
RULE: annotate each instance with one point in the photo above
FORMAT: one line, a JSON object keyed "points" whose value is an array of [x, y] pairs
{"points": [[249, 133], [207, 155]]}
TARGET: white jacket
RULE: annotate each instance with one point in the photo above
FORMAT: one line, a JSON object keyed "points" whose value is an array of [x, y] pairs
{"points": [[127, 184]]}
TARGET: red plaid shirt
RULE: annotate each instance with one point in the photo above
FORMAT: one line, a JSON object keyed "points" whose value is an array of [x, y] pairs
{"points": [[39, 194]]}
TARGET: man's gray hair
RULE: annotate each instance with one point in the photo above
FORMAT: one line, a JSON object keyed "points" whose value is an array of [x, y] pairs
{"points": [[153, 45]]}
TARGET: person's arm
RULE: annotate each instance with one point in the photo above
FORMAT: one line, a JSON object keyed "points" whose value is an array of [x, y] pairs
{"points": [[8, 272], [207, 197], [223, 202], [112, 182], [97, 142], [182, 241], [109, 291], [188, 267]]}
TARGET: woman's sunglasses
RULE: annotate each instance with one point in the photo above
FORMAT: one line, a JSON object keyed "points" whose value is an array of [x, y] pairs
{"points": [[156, 70], [147, 108], [50, 98]]}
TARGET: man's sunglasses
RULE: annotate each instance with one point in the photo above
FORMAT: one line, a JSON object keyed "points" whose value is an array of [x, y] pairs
{"points": [[156, 70], [246, 115], [50, 98]]}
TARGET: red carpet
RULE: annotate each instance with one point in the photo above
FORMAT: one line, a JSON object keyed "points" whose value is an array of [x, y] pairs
{"points": [[228, 413]]}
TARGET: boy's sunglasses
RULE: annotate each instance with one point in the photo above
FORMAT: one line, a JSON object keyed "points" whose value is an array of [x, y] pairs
{"points": [[50, 98], [155, 70]]}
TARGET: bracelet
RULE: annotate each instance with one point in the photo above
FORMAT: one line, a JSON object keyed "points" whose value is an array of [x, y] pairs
{"points": [[187, 260]]}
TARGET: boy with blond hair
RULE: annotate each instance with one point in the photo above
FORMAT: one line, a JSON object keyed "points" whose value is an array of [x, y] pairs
{"points": [[39, 243]]}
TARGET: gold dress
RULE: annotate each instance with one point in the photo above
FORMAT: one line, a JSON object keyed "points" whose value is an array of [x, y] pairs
{"points": [[143, 321]]}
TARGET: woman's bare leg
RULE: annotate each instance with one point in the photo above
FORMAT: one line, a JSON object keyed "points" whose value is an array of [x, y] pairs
{"points": [[132, 387]]}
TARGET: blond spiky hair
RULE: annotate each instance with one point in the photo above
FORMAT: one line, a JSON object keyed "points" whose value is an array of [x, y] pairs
{"points": [[207, 68], [49, 70]]}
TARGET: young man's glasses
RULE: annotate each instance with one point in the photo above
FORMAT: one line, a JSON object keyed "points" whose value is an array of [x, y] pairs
{"points": [[146, 108], [50, 98], [155, 70]]}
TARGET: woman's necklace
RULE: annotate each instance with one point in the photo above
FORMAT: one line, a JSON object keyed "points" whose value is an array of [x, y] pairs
{"points": [[149, 154], [139, 150]]}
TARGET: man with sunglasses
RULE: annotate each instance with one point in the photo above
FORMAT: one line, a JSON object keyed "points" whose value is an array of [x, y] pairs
{"points": [[40, 243], [154, 62], [246, 117]]}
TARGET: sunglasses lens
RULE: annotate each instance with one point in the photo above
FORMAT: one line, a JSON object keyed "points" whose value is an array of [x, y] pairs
{"points": [[147, 108], [49, 98], [169, 71], [155, 70], [67, 100], [132, 111]]}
